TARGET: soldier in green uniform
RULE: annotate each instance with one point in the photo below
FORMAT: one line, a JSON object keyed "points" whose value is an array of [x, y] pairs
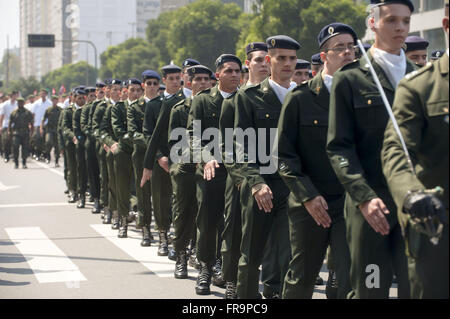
{"points": [[187, 90], [61, 145], [301, 73], [79, 140], [316, 202], [20, 129], [182, 172], [316, 64], [49, 126], [421, 109], [258, 71], [357, 120], [211, 176], [156, 161], [416, 50]]}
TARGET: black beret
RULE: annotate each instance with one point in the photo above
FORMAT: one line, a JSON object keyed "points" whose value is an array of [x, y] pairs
{"points": [[213, 77], [316, 60], [169, 69], [256, 46], [245, 69], [150, 74], [82, 87], [436, 55], [116, 82], [90, 89], [162, 87], [224, 58], [108, 81], [190, 62], [79, 92], [198, 69], [133, 81], [414, 43], [100, 84], [302, 64], [383, 2], [333, 30], [282, 42]]}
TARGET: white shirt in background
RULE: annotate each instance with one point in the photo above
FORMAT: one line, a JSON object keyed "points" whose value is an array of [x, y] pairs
{"points": [[39, 109], [6, 110]]}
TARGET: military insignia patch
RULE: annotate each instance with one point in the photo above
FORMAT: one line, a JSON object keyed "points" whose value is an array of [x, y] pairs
{"points": [[273, 42], [252, 46], [331, 30], [438, 54]]}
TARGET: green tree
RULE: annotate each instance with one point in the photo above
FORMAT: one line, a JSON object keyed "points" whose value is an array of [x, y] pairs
{"points": [[14, 67], [24, 86], [70, 75]]}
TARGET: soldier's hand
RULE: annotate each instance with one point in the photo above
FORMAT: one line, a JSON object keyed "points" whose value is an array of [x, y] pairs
{"points": [[421, 206], [264, 198], [164, 163], [41, 131], [317, 208], [374, 211], [146, 176], [209, 170], [75, 141], [114, 148]]}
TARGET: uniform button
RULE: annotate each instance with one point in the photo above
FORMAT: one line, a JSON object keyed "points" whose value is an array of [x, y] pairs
{"points": [[316, 122], [214, 114], [267, 115], [369, 102]]}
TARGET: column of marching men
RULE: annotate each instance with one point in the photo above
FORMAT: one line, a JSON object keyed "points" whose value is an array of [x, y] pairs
{"points": [[341, 188]]}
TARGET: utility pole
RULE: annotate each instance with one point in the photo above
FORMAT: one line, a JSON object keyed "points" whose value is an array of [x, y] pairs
{"points": [[7, 60]]}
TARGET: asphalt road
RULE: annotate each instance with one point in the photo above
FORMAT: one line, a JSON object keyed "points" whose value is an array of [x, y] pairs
{"points": [[51, 249]]}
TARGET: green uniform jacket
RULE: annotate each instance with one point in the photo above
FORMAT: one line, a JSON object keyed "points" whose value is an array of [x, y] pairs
{"points": [[61, 130], [68, 133], [77, 125], [357, 122], [206, 108], [303, 161], [135, 120], [119, 126], [421, 110], [52, 117], [19, 122], [97, 117], [107, 135]]}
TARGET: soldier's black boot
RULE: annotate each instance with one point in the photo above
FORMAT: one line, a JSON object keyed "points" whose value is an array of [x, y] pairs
{"points": [[16, 164], [72, 198], [47, 159], [123, 230], [193, 261], [181, 271], [97, 208], [108, 216], [319, 281], [56, 162], [24, 165], [82, 201], [172, 255], [146, 241], [163, 249], [217, 275], [231, 290], [115, 220], [203, 284], [332, 286]]}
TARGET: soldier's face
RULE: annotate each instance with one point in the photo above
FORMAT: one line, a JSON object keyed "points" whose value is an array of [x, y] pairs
{"points": [[172, 82], [55, 101], [100, 93], [20, 104], [282, 63], [300, 76], [43, 96], [200, 82], [91, 97], [134, 91], [258, 65], [115, 92], [419, 57], [151, 87], [229, 76], [80, 100], [340, 51]]}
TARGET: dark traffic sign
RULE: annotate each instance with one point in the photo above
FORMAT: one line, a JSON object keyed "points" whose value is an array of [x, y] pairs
{"points": [[41, 40]]}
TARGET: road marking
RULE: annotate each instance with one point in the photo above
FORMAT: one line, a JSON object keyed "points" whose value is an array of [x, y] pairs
{"points": [[49, 168], [55, 266], [162, 266], [35, 205], [3, 187]]}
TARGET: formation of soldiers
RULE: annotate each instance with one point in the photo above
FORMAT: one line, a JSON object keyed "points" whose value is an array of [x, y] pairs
{"points": [[341, 181]]}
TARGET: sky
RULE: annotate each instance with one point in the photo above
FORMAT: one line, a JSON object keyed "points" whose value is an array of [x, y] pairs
{"points": [[9, 24]]}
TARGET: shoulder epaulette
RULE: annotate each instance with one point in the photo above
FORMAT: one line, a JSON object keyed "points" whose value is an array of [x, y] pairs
{"points": [[429, 66], [350, 65], [250, 87], [206, 91]]}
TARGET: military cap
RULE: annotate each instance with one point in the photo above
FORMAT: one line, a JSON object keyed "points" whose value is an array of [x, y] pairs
{"points": [[133, 81], [162, 87], [116, 82], [55, 97], [333, 30], [414, 43], [256, 46], [384, 2], [436, 55], [100, 84], [108, 81], [213, 77], [367, 46], [245, 69], [282, 42], [190, 62], [302, 64], [80, 87], [198, 69], [169, 69], [224, 58], [150, 74], [316, 60], [79, 91], [20, 99], [90, 89], [30, 96]]}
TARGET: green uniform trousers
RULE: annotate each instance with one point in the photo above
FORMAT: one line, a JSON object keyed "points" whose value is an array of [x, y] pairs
{"points": [[185, 204], [6, 143], [66, 169], [210, 214], [256, 225], [123, 167], [51, 141], [112, 187], [370, 250], [22, 140], [144, 201], [309, 244], [38, 141], [232, 233], [103, 171], [72, 179], [81, 168], [161, 197], [92, 167]]}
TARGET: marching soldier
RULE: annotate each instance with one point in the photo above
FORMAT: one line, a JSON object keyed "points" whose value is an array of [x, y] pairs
{"points": [[316, 202], [357, 122], [187, 91], [316, 64], [61, 147], [49, 126], [421, 109], [5, 112], [416, 50], [301, 73], [20, 127]]}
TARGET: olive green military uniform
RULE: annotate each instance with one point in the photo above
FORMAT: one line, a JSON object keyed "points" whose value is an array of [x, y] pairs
{"points": [[135, 118], [421, 109], [51, 116], [19, 128], [306, 170], [108, 138], [357, 122], [183, 178], [80, 152], [91, 150], [96, 115], [206, 107], [61, 145], [69, 148], [157, 139], [123, 164]]}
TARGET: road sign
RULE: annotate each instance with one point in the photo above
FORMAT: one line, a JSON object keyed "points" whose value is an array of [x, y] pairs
{"points": [[41, 40]]}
